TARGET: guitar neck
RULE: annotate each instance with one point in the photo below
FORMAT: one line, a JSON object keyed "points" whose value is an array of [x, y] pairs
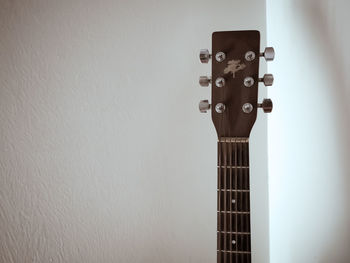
{"points": [[233, 229], [234, 83]]}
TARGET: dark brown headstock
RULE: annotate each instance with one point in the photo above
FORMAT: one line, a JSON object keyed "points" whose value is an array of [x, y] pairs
{"points": [[235, 79]]}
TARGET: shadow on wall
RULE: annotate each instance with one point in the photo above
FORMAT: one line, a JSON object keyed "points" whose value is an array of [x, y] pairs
{"points": [[328, 22]]}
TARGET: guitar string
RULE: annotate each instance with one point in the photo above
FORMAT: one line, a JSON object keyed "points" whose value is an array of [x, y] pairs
{"points": [[236, 219], [222, 127], [240, 164], [223, 95], [244, 217], [243, 199], [219, 202], [244, 171], [247, 195], [247, 199], [225, 198], [230, 199], [245, 181]]}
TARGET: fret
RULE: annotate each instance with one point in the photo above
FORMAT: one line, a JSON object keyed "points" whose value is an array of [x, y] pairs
{"points": [[234, 252], [234, 212], [239, 200], [239, 233], [240, 222], [235, 242], [233, 190], [230, 160], [240, 177], [233, 256], [233, 167]]}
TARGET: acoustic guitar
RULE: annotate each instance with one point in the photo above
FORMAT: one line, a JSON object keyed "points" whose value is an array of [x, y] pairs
{"points": [[234, 102]]}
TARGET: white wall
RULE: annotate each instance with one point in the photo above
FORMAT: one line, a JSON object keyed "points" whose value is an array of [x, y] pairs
{"points": [[309, 144], [104, 156]]}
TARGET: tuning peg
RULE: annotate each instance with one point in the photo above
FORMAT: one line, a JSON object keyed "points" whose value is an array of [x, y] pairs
{"points": [[204, 106], [204, 55], [268, 54], [266, 105], [267, 79], [204, 81]]}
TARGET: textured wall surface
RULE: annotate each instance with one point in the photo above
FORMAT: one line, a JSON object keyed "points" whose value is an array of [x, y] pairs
{"points": [[309, 143], [104, 155]]}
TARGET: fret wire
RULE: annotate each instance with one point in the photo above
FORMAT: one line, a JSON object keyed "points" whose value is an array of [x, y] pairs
{"points": [[233, 232], [236, 252], [234, 212], [234, 167], [234, 190]]}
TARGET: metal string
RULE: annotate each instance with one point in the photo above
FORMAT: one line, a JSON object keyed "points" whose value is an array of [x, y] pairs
{"points": [[246, 163], [219, 203], [243, 174], [240, 164], [236, 221], [225, 200], [230, 200]]}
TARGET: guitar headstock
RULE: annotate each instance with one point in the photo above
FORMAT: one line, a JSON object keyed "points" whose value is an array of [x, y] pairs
{"points": [[234, 80]]}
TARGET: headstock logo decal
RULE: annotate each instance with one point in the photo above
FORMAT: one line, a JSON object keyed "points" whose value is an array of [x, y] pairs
{"points": [[233, 66]]}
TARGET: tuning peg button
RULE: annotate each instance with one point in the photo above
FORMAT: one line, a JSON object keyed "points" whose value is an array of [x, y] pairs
{"points": [[267, 79], [204, 106], [266, 105], [268, 54], [204, 81], [204, 55]]}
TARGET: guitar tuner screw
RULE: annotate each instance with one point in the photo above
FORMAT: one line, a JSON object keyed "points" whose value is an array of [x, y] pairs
{"points": [[249, 56], [220, 108], [248, 82], [220, 56], [247, 108], [220, 82]]}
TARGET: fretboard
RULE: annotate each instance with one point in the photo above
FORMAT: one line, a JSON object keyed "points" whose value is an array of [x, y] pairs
{"points": [[233, 212]]}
